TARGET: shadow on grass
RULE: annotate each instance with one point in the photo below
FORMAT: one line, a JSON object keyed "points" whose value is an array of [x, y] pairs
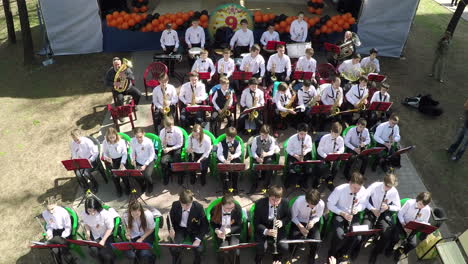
{"points": [[94, 119], [36, 256], [64, 188]]}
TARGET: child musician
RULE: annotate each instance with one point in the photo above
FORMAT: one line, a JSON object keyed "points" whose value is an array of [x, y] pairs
{"points": [[308, 97], [305, 217], [279, 64], [169, 44], [254, 63], [229, 151], [380, 96], [384, 201], [298, 149], [251, 97], [299, 28], [242, 40], [114, 153], [204, 64], [331, 143], [172, 141], [222, 101], [142, 155], [139, 228], [386, 135], [270, 219], [195, 37], [284, 102], [345, 202], [99, 224], [226, 219], [263, 150], [269, 35], [84, 148], [188, 220], [199, 149], [306, 63], [356, 141], [226, 65], [192, 93], [164, 99], [417, 210], [358, 93], [332, 94], [371, 60]]}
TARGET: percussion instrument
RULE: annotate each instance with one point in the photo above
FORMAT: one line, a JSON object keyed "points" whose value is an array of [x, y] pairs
{"points": [[238, 62], [296, 50], [219, 52], [171, 56], [194, 53]]}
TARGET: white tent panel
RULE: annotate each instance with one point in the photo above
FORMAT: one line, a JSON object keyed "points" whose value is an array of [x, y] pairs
{"points": [[73, 26]]}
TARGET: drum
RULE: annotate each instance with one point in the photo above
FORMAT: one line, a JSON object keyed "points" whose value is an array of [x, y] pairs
{"points": [[194, 52], [296, 50]]}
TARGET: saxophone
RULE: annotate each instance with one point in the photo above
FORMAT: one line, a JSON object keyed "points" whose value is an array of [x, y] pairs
{"points": [[121, 77], [254, 114], [361, 105], [221, 70], [247, 67], [273, 73], [289, 104], [194, 100], [166, 108], [225, 111], [336, 108]]}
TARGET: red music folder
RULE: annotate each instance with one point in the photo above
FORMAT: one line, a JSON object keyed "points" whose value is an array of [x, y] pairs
{"points": [[302, 75], [246, 111], [124, 246], [320, 109], [88, 243], [421, 227], [403, 150], [38, 244], [267, 167], [197, 108], [272, 44], [374, 77], [127, 173], [336, 157], [204, 75], [380, 106], [231, 167], [185, 166], [307, 162], [76, 164], [331, 48], [176, 245], [371, 151], [241, 75]]}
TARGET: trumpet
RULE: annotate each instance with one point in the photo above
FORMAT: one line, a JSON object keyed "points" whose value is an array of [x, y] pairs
{"points": [[360, 106], [273, 73], [121, 77]]}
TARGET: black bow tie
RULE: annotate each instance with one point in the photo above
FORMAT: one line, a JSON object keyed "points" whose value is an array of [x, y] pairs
{"points": [[226, 214], [203, 61], [168, 132]]}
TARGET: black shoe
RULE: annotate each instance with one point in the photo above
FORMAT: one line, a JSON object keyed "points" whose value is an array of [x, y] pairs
{"points": [[149, 188], [166, 180], [373, 258], [330, 186], [119, 192], [354, 254], [253, 188], [203, 179], [388, 252], [193, 179], [397, 254]]}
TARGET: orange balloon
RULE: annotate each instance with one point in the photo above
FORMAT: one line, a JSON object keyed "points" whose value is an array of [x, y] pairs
{"points": [[310, 9], [131, 22], [144, 9], [126, 17], [160, 27], [283, 24], [288, 28], [149, 27], [179, 21], [346, 26], [323, 29], [289, 20], [112, 23], [352, 21], [272, 16], [340, 29], [144, 16], [122, 13], [119, 20], [319, 11], [257, 19], [335, 27], [138, 19], [257, 13], [109, 17], [319, 1], [155, 22], [329, 23], [340, 21], [313, 1], [125, 26], [203, 18], [191, 13], [185, 17], [277, 27], [143, 29], [329, 30], [265, 18], [115, 14]]}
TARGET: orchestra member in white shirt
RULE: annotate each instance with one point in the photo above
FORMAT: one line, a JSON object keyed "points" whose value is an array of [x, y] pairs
{"points": [[169, 44], [331, 143], [306, 95], [164, 98], [387, 135], [263, 151], [229, 151], [350, 68], [380, 96], [83, 148], [371, 61], [333, 92], [142, 155], [356, 98], [356, 141], [307, 64], [222, 99], [172, 140], [298, 29], [282, 98], [226, 65], [242, 40], [192, 93], [254, 63], [306, 212], [269, 35], [195, 37], [280, 64], [114, 153], [298, 149], [204, 64], [251, 97], [199, 150]]}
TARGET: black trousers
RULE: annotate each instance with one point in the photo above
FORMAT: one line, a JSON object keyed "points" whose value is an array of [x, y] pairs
{"points": [[260, 239], [314, 233], [341, 245], [114, 166], [178, 239], [205, 163], [148, 175], [132, 91], [243, 118], [298, 174], [170, 63], [238, 50], [166, 160], [384, 222], [326, 170], [62, 254], [86, 179], [230, 179], [216, 121], [106, 254], [263, 175], [223, 257], [144, 256], [349, 163], [158, 117]]}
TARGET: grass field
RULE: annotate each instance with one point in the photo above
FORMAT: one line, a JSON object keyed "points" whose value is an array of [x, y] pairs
{"points": [[40, 105]]}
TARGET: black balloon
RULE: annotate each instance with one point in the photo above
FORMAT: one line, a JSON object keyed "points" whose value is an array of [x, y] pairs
{"points": [[310, 3], [137, 26], [156, 16]]}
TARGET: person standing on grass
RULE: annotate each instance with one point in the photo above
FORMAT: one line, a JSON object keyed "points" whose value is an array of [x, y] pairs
{"points": [[438, 66], [462, 137]]}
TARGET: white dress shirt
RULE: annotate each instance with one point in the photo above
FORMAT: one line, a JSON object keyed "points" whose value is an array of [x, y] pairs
{"points": [[328, 145], [85, 150], [169, 38], [409, 212], [353, 138], [247, 100], [341, 199], [281, 64], [204, 65], [236, 154], [330, 95], [379, 97], [281, 99], [376, 195], [225, 220], [172, 137], [256, 64], [267, 36], [384, 131], [195, 35], [227, 66], [115, 151], [142, 153], [171, 96], [137, 230], [203, 147], [186, 93], [271, 150], [184, 218], [301, 212], [298, 31], [348, 67], [306, 65], [299, 147], [368, 60], [356, 93], [100, 222], [242, 38], [304, 97], [59, 219], [215, 96]]}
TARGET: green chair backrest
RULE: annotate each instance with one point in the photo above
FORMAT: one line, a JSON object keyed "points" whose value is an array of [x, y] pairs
{"points": [[252, 225], [208, 133], [237, 138], [156, 247], [119, 231], [183, 153], [290, 204], [157, 145], [403, 201], [74, 221], [346, 130], [275, 89], [125, 137]]}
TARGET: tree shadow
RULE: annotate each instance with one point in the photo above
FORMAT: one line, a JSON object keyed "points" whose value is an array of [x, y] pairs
{"points": [[35, 256], [65, 191], [94, 119]]}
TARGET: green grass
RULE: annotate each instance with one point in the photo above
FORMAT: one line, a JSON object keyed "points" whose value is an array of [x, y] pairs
{"points": [[33, 19]]}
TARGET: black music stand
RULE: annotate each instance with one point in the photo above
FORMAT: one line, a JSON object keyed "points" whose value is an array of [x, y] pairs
{"points": [[131, 181], [50, 247], [186, 167], [302, 75], [133, 246], [228, 168], [78, 166]]}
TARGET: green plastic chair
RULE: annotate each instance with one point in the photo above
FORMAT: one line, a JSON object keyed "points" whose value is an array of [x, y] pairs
{"points": [[252, 225], [346, 130], [119, 231], [74, 222], [156, 247], [244, 230], [129, 160], [214, 159], [312, 153], [213, 139], [158, 149], [183, 153], [288, 226], [251, 161]]}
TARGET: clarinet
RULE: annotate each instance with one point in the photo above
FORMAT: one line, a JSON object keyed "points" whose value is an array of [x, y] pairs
{"points": [[351, 212], [275, 239], [311, 216], [380, 208]]}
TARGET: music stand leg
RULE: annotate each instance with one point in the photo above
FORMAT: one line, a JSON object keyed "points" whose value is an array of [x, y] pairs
{"points": [[57, 259], [133, 191]]}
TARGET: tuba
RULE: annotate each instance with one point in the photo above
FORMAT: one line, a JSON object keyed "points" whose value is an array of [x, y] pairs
{"points": [[273, 73], [121, 77], [225, 112], [289, 104]]}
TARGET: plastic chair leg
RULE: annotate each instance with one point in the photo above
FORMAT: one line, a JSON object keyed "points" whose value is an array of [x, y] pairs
{"points": [[131, 120], [116, 123]]}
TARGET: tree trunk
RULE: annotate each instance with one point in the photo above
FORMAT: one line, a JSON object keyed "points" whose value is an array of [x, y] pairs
{"points": [[9, 21], [25, 32], [456, 17]]}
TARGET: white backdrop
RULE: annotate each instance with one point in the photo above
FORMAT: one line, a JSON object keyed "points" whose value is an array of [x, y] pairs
{"points": [[385, 25], [73, 26]]}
